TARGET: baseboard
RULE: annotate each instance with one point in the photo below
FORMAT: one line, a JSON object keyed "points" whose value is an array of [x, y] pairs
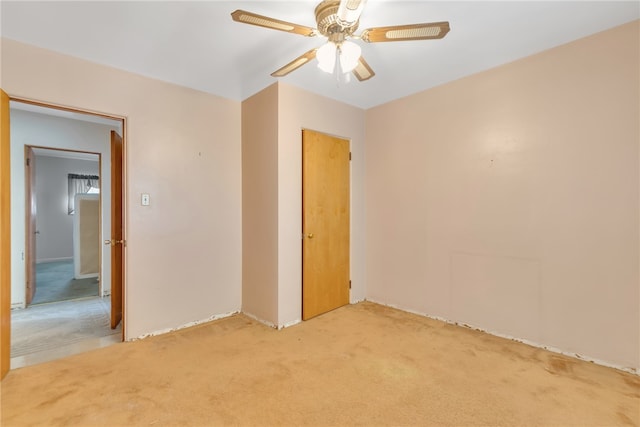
{"points": [[289, 324], [46, 260], [186, 325], [520, 340], [257, 319], [86, 276], [18, 305]]}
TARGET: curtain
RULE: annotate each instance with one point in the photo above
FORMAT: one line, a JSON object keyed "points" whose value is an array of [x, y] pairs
{"points": [[81, 184]]}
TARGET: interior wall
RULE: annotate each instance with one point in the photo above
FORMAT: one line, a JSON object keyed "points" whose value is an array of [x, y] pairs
{"points": [[299, 109], [260, 205], [509, 200], [29, 128], [272, 123], [55, 226], [183, 147]]}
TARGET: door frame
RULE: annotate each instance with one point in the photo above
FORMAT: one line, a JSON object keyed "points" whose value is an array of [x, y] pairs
{"points": [[5, 234], [6, 287], [27, 254]]}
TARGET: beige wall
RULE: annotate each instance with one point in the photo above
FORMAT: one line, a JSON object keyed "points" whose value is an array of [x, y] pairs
{"points": [[272, 123], [183, 256], [260, 205], [509, 200], [299, 109]]}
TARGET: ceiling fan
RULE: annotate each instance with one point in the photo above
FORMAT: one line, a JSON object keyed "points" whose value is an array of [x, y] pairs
{"points": [[338, 20]]}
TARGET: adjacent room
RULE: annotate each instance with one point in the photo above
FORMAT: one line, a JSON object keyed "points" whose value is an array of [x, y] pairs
{"points": [[61, 302], [335, 213]]}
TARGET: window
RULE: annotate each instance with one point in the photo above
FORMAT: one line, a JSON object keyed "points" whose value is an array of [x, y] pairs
{"points": [[81, 184]]}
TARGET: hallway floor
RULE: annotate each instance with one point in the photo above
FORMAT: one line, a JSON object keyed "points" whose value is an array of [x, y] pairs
{"points": [[47, 332], [55, 281]]}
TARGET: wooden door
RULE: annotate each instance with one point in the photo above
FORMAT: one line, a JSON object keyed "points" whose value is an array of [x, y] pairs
{"points": [[325, 223], [30, 223], [5, 238], [117, 241]]}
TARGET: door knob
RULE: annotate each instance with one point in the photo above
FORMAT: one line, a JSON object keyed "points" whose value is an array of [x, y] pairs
{"points": [[113, 242], [310, 235]]}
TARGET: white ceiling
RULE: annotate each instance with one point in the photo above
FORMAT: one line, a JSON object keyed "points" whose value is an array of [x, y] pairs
{"points": [[196, 44]]}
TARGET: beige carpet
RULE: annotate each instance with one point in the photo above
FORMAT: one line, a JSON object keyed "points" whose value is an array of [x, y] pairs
{"points": [[359, 365]]}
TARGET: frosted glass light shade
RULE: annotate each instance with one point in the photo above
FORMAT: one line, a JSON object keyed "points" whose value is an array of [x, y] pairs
{"points": [[326, 56], [348, 52], [349, 56]]}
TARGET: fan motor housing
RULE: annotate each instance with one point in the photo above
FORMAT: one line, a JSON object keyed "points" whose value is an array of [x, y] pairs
{"points": [[328, 22]]}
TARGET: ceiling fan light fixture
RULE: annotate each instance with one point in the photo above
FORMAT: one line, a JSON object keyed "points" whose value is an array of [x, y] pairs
{"points": [[348, 53], [338, 20], [326, 56], [349, 56]]}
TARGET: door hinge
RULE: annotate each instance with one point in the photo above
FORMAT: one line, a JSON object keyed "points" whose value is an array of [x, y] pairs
{"points": [[349, 284], [28, 161], [349, 155]]}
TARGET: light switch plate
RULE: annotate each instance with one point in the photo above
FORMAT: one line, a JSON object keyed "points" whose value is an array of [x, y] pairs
{"points": [[145, 199]]}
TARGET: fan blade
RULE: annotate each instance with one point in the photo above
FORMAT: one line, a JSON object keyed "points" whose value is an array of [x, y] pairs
{"points": [[363, 71], [275, 24], [427, 31], [349, 11], [295, 64]]}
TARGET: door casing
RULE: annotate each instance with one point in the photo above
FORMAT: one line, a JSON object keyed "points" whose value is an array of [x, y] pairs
{"points": [[5, 237], [5, 282], [30, 216]]}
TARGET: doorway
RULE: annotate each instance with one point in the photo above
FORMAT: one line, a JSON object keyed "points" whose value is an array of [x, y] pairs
{"points": [[325, 223], [63, 249], [55, 128]]}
